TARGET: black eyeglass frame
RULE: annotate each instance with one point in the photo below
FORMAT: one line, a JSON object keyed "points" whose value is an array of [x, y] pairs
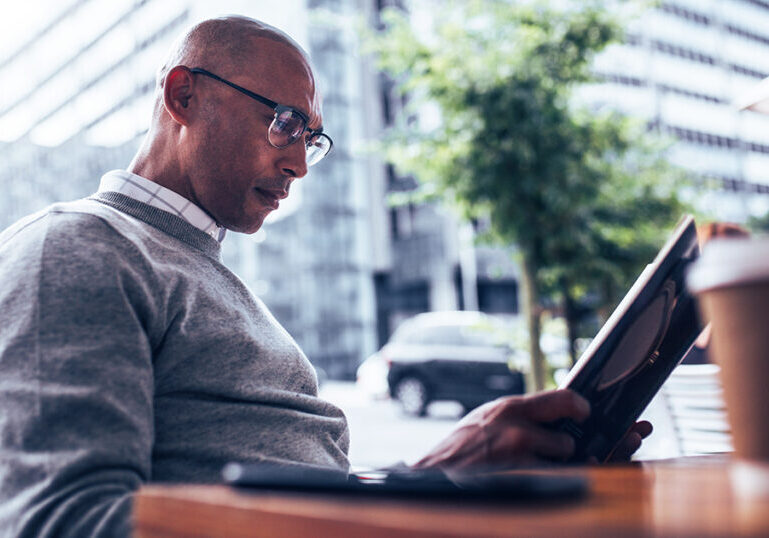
{"points": [[277, 107]]}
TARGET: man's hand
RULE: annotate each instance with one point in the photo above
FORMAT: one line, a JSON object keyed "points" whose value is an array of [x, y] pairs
{"points": [[513, 431], [510, 431], [632, 441]]}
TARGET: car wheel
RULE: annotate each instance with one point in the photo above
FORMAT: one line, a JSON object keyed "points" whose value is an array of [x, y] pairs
{"points": [[412, 395]]}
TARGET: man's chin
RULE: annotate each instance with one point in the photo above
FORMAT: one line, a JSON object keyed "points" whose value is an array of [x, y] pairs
{"points": [[248, 222], [250, 227]]}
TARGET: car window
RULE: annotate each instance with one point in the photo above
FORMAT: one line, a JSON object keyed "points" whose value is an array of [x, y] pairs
{"points": [[479, 335], [445, 335], [434, 335]]}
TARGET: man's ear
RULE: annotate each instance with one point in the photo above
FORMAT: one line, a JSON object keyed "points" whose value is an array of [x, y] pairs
{"points": [[177, 94]]}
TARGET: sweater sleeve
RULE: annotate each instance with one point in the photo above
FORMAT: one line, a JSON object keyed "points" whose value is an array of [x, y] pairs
{"points": [[76, 383]]}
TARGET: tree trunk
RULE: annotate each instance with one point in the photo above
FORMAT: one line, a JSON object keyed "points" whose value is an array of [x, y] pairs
{"points": [[570, 314], [532, 312]]}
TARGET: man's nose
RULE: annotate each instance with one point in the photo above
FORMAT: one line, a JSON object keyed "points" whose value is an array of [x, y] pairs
{"points": [[294, 162]]}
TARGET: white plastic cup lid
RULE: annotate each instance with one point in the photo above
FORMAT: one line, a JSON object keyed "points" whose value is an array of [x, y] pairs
{"points": [[729, 262]]}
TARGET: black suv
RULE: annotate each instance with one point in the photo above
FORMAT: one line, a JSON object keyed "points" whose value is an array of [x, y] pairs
{"points": [[450, 356]]}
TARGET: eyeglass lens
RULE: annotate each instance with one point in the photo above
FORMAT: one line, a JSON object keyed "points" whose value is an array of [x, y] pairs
{"points": [[317, 148], [288, 126]]}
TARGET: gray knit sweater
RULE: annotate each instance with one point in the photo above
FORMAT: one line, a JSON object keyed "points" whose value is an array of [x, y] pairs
{"points": [[128, 354]]}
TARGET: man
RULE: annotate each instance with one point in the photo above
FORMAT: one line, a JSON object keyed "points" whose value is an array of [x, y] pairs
{"points": [[129, 353]]}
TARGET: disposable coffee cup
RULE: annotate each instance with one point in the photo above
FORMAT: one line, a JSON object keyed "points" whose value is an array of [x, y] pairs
{"points": [[731, 281]]}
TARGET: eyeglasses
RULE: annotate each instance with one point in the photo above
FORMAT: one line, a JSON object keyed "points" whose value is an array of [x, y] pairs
{"points": [[288, 125]]}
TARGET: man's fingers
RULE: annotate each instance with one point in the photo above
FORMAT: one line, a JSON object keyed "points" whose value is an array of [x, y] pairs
{"points": [[643, 428], [632, 441], [531, 443], [553, 405]]}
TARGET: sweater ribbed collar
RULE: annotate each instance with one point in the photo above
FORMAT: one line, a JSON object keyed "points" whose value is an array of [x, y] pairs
{"points": [[163, 220]]}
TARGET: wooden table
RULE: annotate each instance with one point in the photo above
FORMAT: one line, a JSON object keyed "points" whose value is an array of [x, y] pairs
{"points": [[693, 497]]}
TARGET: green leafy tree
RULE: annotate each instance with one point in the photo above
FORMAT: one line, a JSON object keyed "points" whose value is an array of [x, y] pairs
{"points": [[568, 187], [619, 231], [759, 225]]}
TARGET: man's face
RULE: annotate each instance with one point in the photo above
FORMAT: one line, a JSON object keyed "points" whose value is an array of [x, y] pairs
{"points": [[233, 171]]}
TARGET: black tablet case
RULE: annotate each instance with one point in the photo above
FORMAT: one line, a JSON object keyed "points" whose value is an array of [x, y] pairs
{"points": [[645, 338]]}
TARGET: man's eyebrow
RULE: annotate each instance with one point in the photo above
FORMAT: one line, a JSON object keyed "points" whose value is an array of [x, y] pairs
{"points": [[301, 111], [309, 121]]}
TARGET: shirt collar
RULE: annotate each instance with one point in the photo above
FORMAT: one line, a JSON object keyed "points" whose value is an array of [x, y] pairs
{"points": [[149, 192]]}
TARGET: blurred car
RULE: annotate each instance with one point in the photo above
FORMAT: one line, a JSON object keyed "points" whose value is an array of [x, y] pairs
{"points": [[371, 377], [460, 356], [321, 376]]}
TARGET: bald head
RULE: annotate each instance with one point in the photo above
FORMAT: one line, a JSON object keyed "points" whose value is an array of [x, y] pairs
{"points": [[230, 46], [226, 43]]}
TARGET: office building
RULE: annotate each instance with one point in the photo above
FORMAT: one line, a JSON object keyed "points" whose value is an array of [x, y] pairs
{"points": [[684, 67]]}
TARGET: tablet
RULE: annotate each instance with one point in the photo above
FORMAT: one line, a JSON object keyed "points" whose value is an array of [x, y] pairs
{"points": [[407, 483], [635, 351]]}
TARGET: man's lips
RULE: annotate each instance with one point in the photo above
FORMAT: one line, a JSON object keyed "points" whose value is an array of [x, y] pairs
{"points": [[271, 198]]}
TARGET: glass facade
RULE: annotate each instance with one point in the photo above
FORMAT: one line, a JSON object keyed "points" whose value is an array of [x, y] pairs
{"points": [[683, 67]]}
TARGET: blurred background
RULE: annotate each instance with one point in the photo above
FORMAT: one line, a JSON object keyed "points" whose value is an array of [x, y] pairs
{"points": [[409, 214]]}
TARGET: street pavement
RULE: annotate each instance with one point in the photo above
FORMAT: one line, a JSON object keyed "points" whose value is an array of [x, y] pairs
{"points": [[380, 435]]}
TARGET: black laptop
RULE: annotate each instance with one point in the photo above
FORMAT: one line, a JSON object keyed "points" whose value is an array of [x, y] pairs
{"points": [[407, 483]]}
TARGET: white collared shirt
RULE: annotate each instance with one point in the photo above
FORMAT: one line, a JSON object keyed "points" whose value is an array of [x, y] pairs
{"points": [[149, 192]]}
